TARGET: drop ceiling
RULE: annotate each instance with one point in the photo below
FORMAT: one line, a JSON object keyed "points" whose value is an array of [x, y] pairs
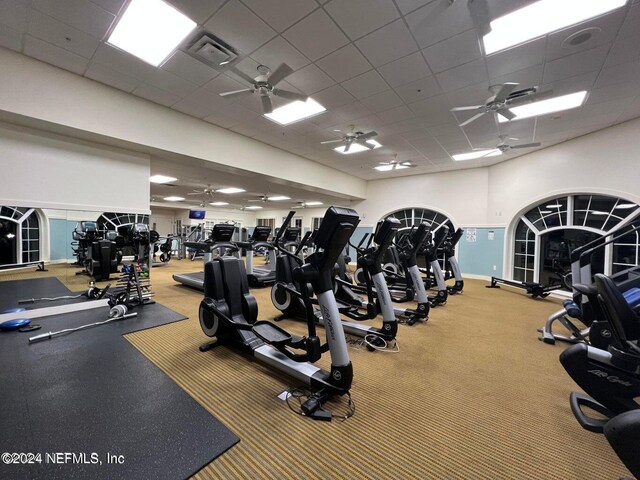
{"points": [[395, 66]]}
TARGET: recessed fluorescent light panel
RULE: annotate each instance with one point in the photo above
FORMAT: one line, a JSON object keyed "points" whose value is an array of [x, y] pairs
{"points": [[254, 207], [295, 111], [355, 148], [554, 205], [219, 204], [150, 30], [278, 198], [477, 154], [625, 206], [161, 179], [556, 104], [174, 199], [540, 18], [386, 168], [231, 190], [311, 204]]}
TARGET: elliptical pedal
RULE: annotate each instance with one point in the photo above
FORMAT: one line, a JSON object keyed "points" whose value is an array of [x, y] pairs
{"points": [[272, 334]]}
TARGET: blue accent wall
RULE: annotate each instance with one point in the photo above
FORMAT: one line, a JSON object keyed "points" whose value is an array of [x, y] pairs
{"points": [[60, 238], [479, 257]]}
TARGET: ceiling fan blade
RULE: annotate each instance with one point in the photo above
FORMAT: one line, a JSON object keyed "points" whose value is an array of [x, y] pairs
{"points": [[532, 97], [237, 93], [527, 145], [242, 75], [364, 144], [196, 193], [254, 200], [468, 121], [367, 135], [290, 95], [267, 107], [332, 141], [280, 73], [506, 113], [462, 109], [505, 91], [347, 147]]}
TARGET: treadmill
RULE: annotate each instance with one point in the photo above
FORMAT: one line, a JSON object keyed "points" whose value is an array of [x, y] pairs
{"points": [[260, 276], [219, 242]]}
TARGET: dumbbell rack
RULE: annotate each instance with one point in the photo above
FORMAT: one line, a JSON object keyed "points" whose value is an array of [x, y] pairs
{"points": [[135, 288]]}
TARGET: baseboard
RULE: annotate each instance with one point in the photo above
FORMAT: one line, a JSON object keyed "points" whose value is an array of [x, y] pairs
{"points": [[473, 276]]}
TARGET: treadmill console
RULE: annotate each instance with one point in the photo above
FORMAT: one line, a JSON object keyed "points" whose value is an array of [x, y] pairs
{"points": [[88, 226], [261, 234], [291, 234], [222, 232]]}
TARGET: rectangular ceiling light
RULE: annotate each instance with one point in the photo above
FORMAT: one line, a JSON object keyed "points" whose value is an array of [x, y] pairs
{"points": [[625, 206], [150, 30], [540, 18], [386, 168], [311, 204], [161, 179], [477, 154], [295, 111], [231, 190], [278, 198], [355, 148], [254, 207], [174, 199], [550, 105], [219, 204]]}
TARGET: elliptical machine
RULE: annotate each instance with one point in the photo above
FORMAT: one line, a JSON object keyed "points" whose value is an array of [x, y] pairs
{"points": [[101, 255], [229, 313], [448, 248], [435, 277]]}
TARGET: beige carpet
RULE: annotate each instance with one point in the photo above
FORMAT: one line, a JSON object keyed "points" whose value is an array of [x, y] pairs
{"points": [[472, 395]]}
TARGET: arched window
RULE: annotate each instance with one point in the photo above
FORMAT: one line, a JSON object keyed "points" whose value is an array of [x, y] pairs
{"points": [[413, 216], [19, 235], [545, 235]]}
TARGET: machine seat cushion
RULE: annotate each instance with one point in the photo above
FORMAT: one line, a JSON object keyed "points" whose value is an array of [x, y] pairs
{"points": [[632, 296], [572, 308]]}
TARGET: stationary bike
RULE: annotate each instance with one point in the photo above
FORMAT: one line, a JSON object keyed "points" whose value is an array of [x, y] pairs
{"points": [[229, 313]]}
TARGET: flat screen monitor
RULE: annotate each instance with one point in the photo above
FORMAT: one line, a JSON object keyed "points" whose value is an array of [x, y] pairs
{"points": [[197, 214]]}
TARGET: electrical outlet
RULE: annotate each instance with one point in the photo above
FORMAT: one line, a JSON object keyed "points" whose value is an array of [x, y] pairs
{"points": [[494, 268]]}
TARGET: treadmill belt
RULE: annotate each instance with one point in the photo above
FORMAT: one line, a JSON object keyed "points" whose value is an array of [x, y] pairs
{"points": [[13, 290], [92, 392], [193, 280]]}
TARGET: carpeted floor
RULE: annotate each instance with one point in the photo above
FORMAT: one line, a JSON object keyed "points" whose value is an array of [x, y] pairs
{"points": [[472, 395]]}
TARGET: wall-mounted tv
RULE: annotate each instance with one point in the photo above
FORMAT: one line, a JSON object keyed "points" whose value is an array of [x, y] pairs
{"points": [[197, 214]]}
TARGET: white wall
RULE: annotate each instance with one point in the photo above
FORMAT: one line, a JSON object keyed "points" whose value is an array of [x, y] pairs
{"points": [[165, 217], [52, 171], [39, 91]]}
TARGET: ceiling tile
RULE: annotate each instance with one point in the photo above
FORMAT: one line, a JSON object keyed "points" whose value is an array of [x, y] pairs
{"points": [[365, 85], [517, 58], [222, 83], [112, 6], [111, 77], [239, 27], [621, 73], [80, 14], [169, 82], [279, 51], [189, 68], [625, 48], [474, 95], [199, 103], [629, 90], [438, 21], [453, 51], [52, 31], [579, 63], [530, 76], [420, 89], [13, 14], [407, 6], [608, 26], [281, 14], [310, 79], [436, 106], [197, 10], [54, 55], [122, 61], [344, 63], [387, 44], [359, 17], [352, 111], [10, 38], [304, 35], [156, 95], [405, 70], [462, 76], [396, 114], [333, 97], [382, 101]]}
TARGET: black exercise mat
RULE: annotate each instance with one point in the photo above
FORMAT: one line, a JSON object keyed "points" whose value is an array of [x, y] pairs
{"points": [[91, 391], [13, 290]]}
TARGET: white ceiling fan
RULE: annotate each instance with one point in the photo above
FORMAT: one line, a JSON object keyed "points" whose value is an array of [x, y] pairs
{"points": [[505, 147], [506, 96], [264, 85], [207, 191], [394, 165], [354, 136]]}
